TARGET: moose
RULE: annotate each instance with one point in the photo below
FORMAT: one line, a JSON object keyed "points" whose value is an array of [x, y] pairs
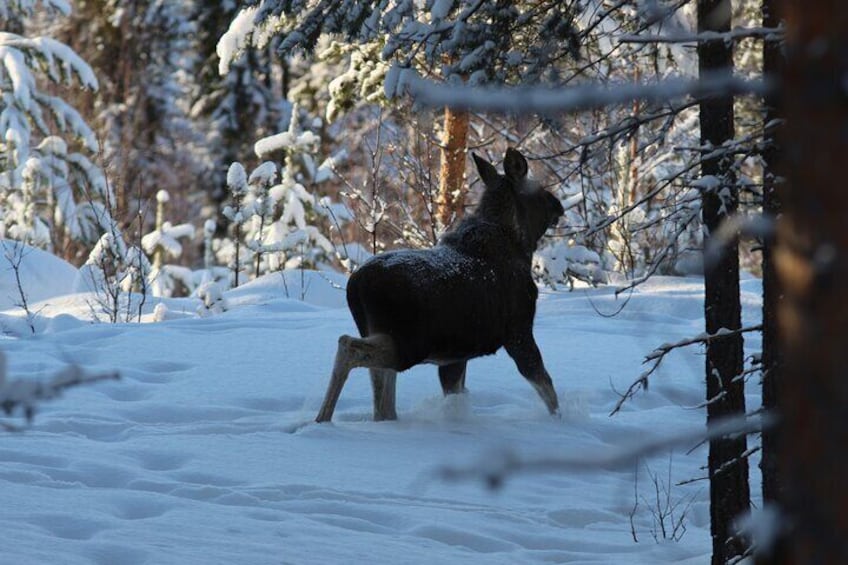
{"points": [[468, 296]]}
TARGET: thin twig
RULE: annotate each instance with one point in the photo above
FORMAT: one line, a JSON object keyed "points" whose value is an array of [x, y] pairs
{"points": [[656, 357]]}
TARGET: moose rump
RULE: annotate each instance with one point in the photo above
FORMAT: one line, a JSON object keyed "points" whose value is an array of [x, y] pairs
{"points": [[430, 303], [467, 297]]}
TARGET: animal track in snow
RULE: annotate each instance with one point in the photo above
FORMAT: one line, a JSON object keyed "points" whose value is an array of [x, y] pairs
{"points": [[124, 391], [112, 554], [68, 527], [139, 507], [160, 460]]}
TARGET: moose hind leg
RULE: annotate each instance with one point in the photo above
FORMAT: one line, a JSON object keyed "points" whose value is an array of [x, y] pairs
{"points": [[376, 351], [341, 369], [383, 384], [452, 378], [528, 359]]}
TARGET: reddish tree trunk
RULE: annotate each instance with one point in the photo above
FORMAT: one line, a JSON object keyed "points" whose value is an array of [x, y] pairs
{"points": [[812, 263], [771, 360], [451, 199]]}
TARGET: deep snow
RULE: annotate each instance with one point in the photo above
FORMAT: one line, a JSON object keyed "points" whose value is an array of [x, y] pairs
{"points": [[205, 451]]}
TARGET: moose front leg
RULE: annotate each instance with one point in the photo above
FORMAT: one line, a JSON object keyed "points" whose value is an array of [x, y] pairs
{"points": [[528, 359], [452, 378]]}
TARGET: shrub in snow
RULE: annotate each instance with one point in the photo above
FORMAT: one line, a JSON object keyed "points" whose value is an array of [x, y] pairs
{"points": [[562, 262], [164, 240], [264, 204], [237, 215], [295, 238], [211, 271], [280, 225], [42, 275], [212, 299], [117, 275]]}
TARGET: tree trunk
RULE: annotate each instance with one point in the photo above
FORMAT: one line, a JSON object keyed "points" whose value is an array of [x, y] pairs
{"points": [[812, 263], [728, 469], [451, 200], [771, 360]]}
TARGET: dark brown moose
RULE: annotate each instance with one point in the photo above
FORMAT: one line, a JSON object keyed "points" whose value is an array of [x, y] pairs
{"points": [[468, 296]]}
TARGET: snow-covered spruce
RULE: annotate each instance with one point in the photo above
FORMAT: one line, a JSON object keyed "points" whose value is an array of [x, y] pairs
{"points": [[164, 240], [469, 296], [281, 225], [49, 188]]}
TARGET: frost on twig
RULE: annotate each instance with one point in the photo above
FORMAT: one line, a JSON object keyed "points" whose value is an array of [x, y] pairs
{"points": [[21, 397], [667, 512], [14, 252]]}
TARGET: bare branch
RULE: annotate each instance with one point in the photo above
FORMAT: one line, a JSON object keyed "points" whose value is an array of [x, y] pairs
{"points": [[15, 257], [657, 355], [681, 228]]}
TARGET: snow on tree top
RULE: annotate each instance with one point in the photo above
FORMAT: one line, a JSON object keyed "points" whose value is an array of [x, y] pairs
{"points": [[237, 177], [53, 144], [440, 9], [235, 39], [707, 182], [285, 140], [69, 61], [163, 196], [28, 7], [266, 174]]}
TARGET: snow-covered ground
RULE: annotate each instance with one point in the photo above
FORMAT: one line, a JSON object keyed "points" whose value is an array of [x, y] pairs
{"points": [[204, 452]]}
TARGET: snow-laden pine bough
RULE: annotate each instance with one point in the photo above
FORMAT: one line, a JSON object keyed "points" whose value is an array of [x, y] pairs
{"points": [[470, 295]]}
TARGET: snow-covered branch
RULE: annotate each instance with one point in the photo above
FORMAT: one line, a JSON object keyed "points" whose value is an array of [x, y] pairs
{"points": [[23, 395], [553, 100], [736, 34]]}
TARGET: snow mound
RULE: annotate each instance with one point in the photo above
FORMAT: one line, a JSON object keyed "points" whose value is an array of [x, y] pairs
{"points": [[42, 275]]}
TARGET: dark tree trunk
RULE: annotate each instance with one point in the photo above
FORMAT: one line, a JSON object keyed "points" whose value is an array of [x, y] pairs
{"points": [[812, 263], [772, 362], [728, 469]]}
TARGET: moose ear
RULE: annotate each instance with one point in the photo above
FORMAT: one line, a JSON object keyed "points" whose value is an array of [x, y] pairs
{"points": [[515, 165], [487, 171]]}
